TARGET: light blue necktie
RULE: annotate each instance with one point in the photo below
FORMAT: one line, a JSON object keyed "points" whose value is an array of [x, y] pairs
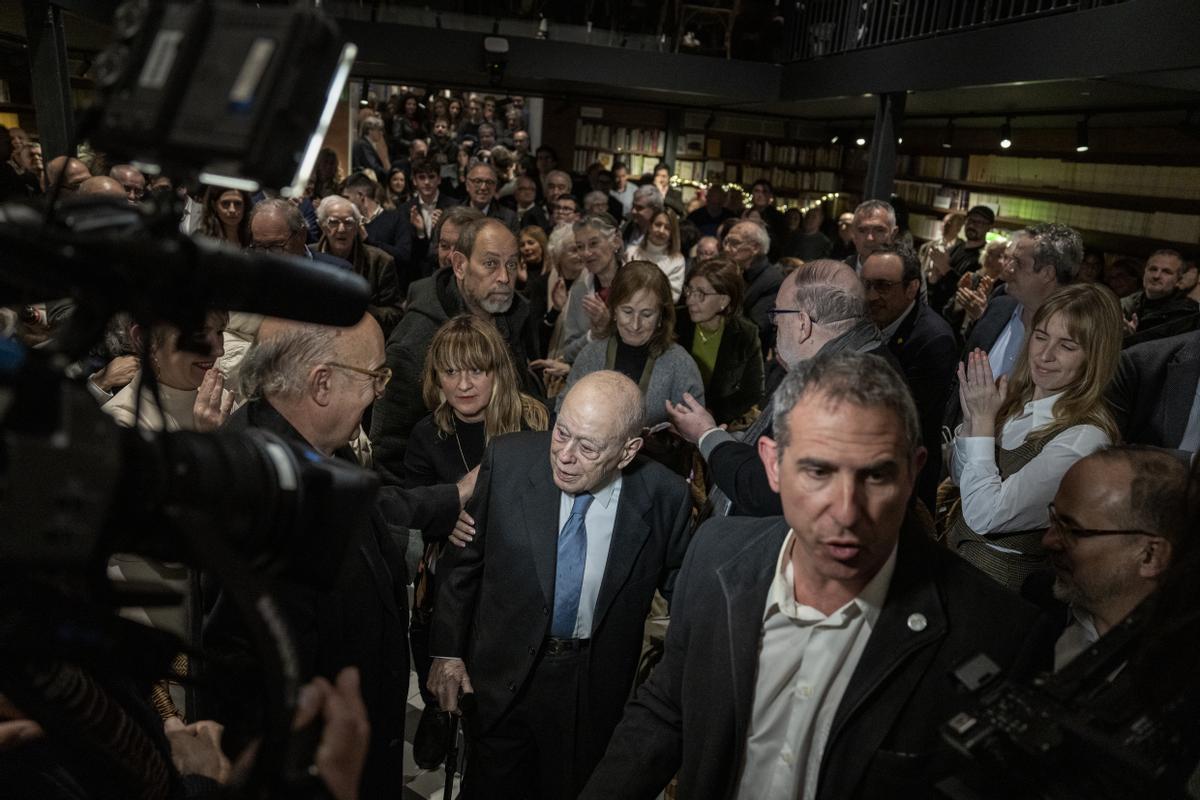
{"points": [[568, 573]]}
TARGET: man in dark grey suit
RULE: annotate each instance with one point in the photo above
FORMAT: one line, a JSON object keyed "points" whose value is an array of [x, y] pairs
{"points": [[810, 656], [545, 605], [1155, 395]]}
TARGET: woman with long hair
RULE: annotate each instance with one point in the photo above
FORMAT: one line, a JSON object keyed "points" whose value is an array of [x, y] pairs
{"points": [[661, 246], [532, 246], [326, 175], [722, 342], [1019, 437], [471, 388], [639, 342], [226, 215], [395, 190]]}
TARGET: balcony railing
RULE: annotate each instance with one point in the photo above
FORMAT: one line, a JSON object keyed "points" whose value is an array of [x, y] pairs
{"points": [[828, 27]]}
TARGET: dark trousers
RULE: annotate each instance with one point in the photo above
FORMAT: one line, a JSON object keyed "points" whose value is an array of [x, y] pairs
{"points": [[542, 747]]}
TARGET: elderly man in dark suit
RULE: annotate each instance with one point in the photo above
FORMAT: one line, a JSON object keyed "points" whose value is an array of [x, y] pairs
{"points": [[810, 656], [1155, 394], [545, 605], [922, 342]]}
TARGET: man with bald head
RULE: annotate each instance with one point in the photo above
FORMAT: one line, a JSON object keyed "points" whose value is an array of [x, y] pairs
{"points": [[101, 185], [819, 309], [480, 282], [540, 614], [132, 181], [310, 384], [76, 173]]}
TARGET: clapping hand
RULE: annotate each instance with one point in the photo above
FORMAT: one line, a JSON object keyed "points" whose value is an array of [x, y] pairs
{"points": [[213, 403], [980, 395], [597, 313], [558, 294], [551, 367]]}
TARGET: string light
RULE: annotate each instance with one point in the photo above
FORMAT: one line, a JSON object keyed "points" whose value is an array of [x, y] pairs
{"points": [[677, 182]]}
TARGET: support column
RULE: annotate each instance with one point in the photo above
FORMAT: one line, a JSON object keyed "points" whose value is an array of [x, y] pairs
{"points": [[51, 82], [881, 153]]}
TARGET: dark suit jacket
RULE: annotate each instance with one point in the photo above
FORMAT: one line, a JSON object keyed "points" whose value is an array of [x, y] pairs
{"points": [[421, 245], [925, 346], [694, 713], [496, 595], [360, 622], [503, 214], [762, 284], [1152, 393], [737, 379]]}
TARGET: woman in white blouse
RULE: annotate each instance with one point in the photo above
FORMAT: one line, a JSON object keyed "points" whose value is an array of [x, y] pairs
{"points": [[1019, 437], [661, 247]]}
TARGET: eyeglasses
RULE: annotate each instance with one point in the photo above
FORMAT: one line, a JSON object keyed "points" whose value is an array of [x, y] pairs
{"points": [[333, 223], [481, 182], [880, 286], [688, 291], [736, 244], [267, 247], [774, 313], [381, 376], [1073, 533]]}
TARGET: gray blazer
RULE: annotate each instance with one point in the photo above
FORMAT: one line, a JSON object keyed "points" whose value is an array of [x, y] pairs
{"points": [[674, 373]]}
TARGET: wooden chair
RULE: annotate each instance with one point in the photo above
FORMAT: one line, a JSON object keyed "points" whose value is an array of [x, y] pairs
{"points": [[721, 12]]}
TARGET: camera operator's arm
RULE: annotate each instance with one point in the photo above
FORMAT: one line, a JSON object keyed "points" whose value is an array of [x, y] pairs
{"points": [[342, 750], [16, 729], [196, 749]]}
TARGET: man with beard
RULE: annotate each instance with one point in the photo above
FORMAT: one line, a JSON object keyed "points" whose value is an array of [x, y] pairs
{"points": [[1113, 525], [480, 281]]}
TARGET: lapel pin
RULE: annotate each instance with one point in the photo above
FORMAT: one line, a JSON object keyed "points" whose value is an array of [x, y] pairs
{"points": [[917, 622]]}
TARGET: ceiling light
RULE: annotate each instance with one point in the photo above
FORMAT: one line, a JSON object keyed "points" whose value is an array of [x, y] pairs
{"points": [[1006, 134], [1081, 136]]}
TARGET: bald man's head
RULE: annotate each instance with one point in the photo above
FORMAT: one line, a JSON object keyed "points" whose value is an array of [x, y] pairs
{"points": [[597, 433], [76, 172], [101, 184]]}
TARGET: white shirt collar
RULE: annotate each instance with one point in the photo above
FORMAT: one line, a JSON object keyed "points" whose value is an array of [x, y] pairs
{"points": [[1042, 410], [606, 495], [869, 601]]}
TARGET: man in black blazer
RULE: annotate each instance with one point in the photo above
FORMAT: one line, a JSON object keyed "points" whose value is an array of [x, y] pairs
{"points": [[811, 656], [920, 339], [819, 309], [551, 636], [332, 375], [1154, 393], [424, 212]]}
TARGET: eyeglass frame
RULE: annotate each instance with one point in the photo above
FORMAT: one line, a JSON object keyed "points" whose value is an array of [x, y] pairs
{"points": [[381, 376], [688, 291], [1075, 534], [773, 314]]}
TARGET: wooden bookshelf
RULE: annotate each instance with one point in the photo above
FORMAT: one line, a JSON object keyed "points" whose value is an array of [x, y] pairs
{"points": [[639, 147]]}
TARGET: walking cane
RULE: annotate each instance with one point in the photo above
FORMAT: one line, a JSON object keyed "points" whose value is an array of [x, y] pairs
{"points": [[466, 705]]}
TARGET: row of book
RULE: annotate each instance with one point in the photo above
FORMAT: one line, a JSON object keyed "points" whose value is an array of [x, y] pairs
{"points": [[1157, 225], [1137, 179], [637, 164], [790, 155], [619, 138], [947, 167]]}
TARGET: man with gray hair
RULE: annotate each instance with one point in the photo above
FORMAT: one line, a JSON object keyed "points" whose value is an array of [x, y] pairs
{"points": [[483, 182], [541, 608], [647, 201], [747, 244], [874, 224], [343, 235], [309, 384], [820, 309], [480, 282], [807, 652]]}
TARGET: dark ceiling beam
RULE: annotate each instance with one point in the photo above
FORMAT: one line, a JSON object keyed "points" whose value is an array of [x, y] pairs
{"points": [[1127, 38], [397, 52]]}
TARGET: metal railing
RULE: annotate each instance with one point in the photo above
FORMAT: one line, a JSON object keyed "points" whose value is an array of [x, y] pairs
{"points": [[828, 27]]}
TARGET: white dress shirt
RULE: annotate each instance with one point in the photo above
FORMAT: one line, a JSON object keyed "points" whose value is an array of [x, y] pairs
{"points": [[1006, 348], [805, 661], [601, 515], [990, 505], [1077, 637]]}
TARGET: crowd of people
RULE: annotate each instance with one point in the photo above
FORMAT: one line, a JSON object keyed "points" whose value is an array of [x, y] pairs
{"points": [[837, 464]]}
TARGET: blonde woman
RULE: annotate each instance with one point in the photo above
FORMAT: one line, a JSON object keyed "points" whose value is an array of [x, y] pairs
{"points": [[1019, 437]]}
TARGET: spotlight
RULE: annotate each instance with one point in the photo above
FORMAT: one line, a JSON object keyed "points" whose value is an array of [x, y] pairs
{"points": [[1006, 134], [834, 139], [860, 139], [1081, 136], [948, 136]]}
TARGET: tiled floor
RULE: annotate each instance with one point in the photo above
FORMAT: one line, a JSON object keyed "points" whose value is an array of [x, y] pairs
{"points": [[419, 783]]}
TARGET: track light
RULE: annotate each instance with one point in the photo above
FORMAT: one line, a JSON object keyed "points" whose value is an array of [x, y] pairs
{"points": [[1006, 134], [1081, 136], [860, 138], [948, 136], [834, 139]]}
